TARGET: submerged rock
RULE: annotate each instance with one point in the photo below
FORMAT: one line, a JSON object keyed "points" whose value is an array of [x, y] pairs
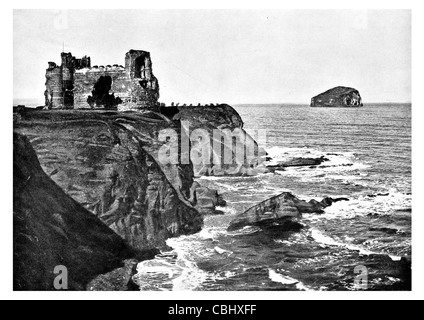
{"points": [[338, 97], [284, 208], [298, 162], [51, 229]]}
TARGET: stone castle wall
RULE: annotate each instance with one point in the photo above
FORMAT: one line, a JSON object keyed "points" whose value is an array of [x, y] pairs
{"points": [[85, 79], [77, 85], [54, 87]]}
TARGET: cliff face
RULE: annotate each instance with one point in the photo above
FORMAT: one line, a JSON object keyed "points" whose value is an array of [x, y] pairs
{"points": [[224, 150], [108, 162], [338, 97], [51, 229]]}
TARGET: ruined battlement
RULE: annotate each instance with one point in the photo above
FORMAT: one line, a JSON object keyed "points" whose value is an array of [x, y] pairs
{"points": [[107, 68], [75, 84]]}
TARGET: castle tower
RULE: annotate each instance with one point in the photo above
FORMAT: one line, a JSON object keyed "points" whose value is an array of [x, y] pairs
{"points": [[144, 85], [138, 64], [54, 89], [60, 81]]}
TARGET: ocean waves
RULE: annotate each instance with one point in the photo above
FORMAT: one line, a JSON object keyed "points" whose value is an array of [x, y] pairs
{"points": [[368, 162]]}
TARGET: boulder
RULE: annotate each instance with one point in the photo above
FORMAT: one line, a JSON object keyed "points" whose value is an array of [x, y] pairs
{"points": [[338, 97], [205, 199], [284, 208]]}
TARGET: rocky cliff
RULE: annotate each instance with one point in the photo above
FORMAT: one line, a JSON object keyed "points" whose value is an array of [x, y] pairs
{"points": [[226, 138], [338, 97], [51, 229], [108, 162], [104, 196]]}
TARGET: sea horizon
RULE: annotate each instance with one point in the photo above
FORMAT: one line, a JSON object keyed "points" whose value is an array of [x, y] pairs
{"points": [[35, 102]]}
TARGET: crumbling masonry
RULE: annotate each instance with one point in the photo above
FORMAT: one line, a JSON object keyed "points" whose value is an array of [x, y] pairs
{"points": [[76, 85]]}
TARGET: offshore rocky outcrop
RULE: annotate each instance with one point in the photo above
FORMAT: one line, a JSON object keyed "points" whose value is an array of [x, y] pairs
{"points": [[296, 162], [51, 229], [226, 137], [338, 97], [108, 162], [284, 209]]}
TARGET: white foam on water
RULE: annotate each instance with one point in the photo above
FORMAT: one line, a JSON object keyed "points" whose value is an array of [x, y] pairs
{"points": [[324, 171], [228, 210], [338, 163], [177, 270], [229, 177], [192, 248], [187, 249], [241, 202], [245, 231], [281, 153], [191, 277], [277, 277], [388, 281], [226, 187], [364, 205], [344, 178], [302, 287], [325, 240], [283, 279], [222, 251], [286, 242], [210, 233], [157, 274]]}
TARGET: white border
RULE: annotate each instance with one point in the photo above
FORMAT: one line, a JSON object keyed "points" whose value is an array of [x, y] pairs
{"points": [[6, 265]]}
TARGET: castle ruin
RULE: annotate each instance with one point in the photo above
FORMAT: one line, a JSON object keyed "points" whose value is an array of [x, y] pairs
{"points": [[76, 85]]}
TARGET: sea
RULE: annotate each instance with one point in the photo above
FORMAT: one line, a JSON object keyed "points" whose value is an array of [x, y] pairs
{"points": [[352, 246]]}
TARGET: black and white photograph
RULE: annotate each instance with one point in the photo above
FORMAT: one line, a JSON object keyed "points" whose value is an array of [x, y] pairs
{"points": [[170, 150]]}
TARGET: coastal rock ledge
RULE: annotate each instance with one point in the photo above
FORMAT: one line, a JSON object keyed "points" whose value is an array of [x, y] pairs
{"points": [[339, 97], [284, 209]]}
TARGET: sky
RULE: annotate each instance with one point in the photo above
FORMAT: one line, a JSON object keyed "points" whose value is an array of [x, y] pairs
{"points": [[227, 56]]}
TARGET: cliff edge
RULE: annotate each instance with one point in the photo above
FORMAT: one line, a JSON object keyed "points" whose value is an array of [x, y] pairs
{"points": [[231, 150]]}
